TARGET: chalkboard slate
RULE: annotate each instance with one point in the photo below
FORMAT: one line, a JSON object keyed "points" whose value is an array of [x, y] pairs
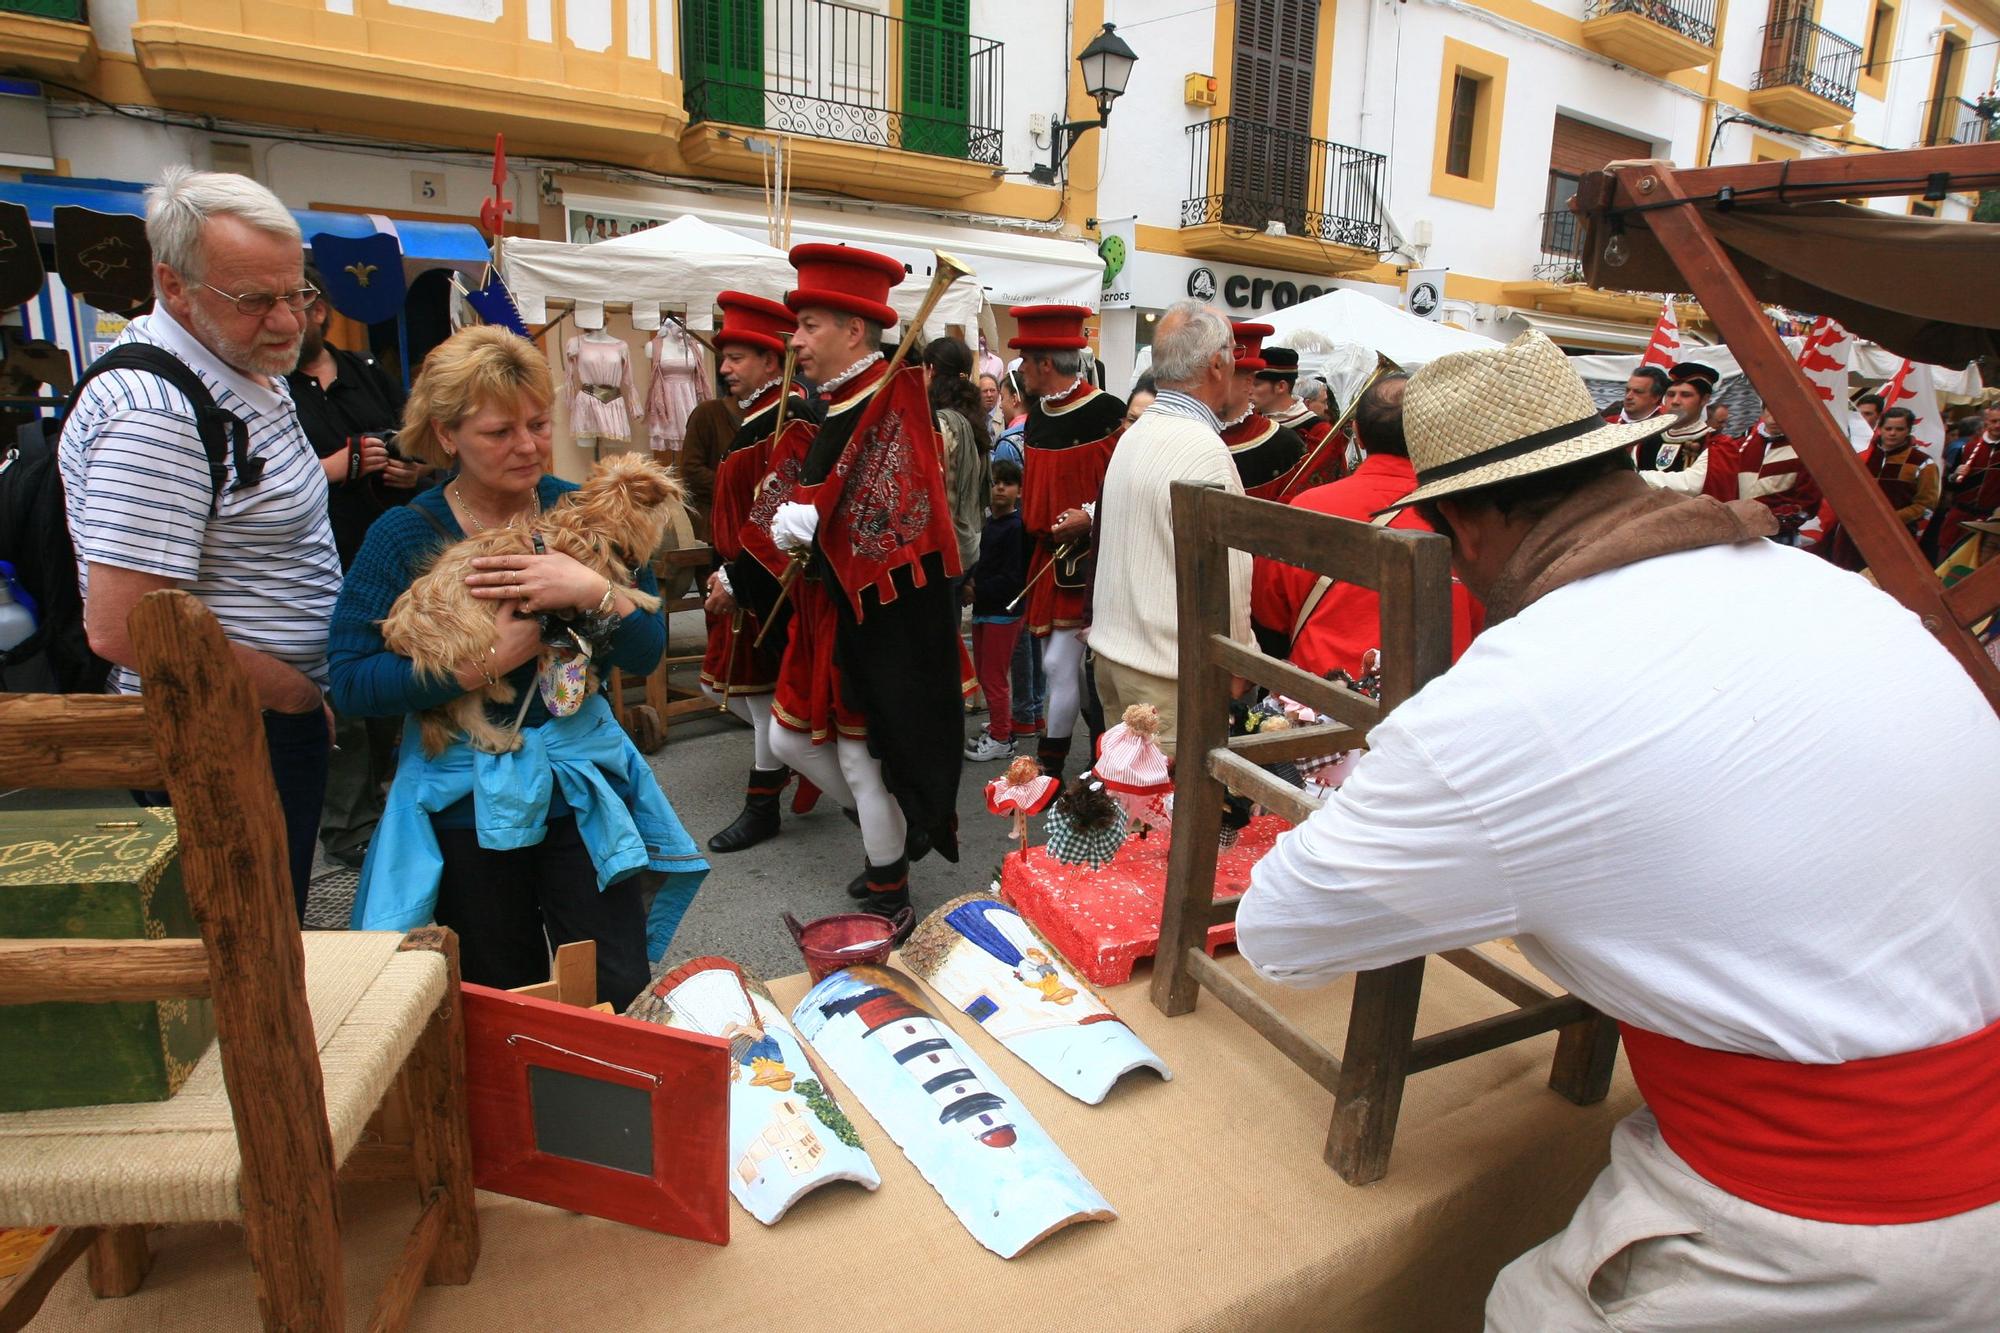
{"points": [[589, 1120]]}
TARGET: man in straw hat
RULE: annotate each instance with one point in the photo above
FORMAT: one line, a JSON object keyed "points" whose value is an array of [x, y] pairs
{"points": [[740, 668], [873, 680], [1072, 426], [1808, 1009]]}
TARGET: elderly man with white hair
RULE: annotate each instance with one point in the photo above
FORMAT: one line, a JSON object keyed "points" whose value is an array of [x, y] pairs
{"points": [[1135, 625], [150, 507]]}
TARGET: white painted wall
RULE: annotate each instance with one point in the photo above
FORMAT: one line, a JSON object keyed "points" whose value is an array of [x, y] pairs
{"points": [[1039, 61]]}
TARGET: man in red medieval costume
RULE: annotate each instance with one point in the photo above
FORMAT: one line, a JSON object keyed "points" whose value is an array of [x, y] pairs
{"points": [[871, 688], [1811, 1013], [1072, 426], [1267, 455], [737, 669], [1691, 456], [1271, 394]]}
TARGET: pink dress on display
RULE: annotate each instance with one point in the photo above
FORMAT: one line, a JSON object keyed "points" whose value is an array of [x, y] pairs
{"points": [[600, 379], [679, 382]]}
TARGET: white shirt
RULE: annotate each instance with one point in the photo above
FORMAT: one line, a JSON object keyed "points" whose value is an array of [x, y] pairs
{"points": [[1734, 795], [136, 490]]}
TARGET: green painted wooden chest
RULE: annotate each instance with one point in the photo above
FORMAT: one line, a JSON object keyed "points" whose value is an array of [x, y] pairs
{"points": [[95, 874]]}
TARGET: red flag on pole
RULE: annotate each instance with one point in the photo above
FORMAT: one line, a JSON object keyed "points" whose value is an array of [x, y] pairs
{"points": [[1665, 348]]}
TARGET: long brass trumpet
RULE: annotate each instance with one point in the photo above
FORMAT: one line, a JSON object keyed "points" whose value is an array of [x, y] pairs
{"points": [[947, 270]]}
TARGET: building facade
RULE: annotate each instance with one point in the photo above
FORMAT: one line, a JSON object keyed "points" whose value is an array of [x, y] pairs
{"points": [[1265, 150]]}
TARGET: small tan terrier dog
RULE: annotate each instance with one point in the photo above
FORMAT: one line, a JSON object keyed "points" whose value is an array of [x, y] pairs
{"points": [[612, 523]]}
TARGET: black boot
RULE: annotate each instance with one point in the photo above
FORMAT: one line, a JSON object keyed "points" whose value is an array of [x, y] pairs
{"points": [[759, 819], [1052, 754], [888, 892]]}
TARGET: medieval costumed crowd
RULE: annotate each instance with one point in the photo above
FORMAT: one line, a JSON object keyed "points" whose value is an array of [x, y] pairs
{"points": [[1656, 762]]}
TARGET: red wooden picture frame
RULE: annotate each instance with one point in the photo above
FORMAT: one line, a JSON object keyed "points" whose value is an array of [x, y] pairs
{"points": [[517, 1049]]}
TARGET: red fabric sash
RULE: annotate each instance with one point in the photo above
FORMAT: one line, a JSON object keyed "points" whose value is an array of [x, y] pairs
{"points": [[786, 459], [1897, 1139], [884, 508]]}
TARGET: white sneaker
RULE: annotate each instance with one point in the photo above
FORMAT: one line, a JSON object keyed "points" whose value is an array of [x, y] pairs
{"points": [[984, 748]]}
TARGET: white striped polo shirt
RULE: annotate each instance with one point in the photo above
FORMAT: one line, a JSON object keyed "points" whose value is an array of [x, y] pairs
{"points": [[136, 489]]}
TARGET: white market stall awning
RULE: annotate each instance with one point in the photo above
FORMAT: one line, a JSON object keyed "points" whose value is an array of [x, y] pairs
{"points": [[1871, 365], [1350, 318], [679, 266]]}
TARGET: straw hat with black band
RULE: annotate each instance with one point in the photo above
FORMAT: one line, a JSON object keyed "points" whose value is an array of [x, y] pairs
{"points": [[1475, 419]]}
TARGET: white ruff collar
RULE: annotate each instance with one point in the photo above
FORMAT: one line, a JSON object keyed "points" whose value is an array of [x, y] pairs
{"points": [[827, 389], [1239, 419], [743, 404], [1049, 400]]}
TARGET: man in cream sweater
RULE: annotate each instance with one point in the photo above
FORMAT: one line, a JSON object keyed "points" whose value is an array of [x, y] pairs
{"points": [[1135, 624]]}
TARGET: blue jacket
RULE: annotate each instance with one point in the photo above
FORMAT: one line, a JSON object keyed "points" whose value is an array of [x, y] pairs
{"points": [[621, 813]]}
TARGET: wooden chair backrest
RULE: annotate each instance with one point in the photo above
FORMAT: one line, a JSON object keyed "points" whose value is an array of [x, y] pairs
{"points": [[198, 731]]}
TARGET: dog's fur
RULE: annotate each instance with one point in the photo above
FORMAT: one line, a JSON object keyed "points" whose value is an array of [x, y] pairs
{"points": [[612, 523]]}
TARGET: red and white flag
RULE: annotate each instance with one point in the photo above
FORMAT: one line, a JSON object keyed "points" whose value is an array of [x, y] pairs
{"points": [[1665, 348], [1912, 387]]}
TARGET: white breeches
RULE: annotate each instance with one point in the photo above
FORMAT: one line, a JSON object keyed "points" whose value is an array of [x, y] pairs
{"points": [[1062, 664], [756, 710]]}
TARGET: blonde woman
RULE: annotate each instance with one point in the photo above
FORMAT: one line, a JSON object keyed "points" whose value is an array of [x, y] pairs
{"points": [[551, 850]]}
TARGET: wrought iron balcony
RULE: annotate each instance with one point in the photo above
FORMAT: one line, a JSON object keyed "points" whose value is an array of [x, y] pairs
{"points": [[830, 71], [1799, 53], [1245, 174], [1562, 248], [1692, 19], [69, 11], [1953, 120]]}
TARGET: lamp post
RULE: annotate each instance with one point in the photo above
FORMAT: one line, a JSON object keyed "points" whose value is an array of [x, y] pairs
{"points": [[1107, 66]]}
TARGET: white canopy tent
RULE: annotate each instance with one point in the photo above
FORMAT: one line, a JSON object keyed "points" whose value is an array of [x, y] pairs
{"points": [[680, 265], [1871, 366], [1347, 317]]}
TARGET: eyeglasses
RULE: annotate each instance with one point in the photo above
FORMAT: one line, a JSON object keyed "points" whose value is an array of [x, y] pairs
{"points": [[256, 305]]}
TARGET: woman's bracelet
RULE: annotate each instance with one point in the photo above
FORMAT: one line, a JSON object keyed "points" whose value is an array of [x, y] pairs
{"points": [[484, 666], [604, 603]]}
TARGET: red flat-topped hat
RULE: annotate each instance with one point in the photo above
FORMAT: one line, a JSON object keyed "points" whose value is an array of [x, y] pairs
{"points": [[843, 278], [1250, 346], [754, 322], [1048, 328]]}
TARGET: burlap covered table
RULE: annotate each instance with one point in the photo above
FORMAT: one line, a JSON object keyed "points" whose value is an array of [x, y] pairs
{"points": [[1227, 1217]]}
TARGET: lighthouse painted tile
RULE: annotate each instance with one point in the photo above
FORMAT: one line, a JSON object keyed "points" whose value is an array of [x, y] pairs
{"points": [[990, 965], [997, 1169], [787, 1136]]}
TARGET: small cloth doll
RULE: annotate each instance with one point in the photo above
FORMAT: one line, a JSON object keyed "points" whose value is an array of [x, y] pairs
{"points": [[1136, 771], [1022, 790], [1087, 827]]}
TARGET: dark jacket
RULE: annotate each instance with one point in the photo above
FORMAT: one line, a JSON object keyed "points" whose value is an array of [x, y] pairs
{"points": [[1002, 567], [364, 400]]}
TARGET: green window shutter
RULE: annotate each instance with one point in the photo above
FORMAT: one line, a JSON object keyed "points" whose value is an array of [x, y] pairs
{"points": [[723, 45], [937, 76]]}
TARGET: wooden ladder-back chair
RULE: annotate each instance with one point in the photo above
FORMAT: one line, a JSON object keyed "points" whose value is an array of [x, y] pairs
{"points": [[262, 1125], [1412, 572]]}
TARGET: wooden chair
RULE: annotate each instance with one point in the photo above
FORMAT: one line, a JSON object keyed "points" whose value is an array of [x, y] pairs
{"points": [[269, 1114], [1411, 571], [647, 706]]}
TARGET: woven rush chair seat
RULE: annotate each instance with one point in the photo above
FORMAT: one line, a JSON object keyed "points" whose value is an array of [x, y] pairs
{"points": [[178, 1160]]}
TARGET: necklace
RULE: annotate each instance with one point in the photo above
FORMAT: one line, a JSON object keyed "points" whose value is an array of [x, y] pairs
{"points": [[457, 493]]}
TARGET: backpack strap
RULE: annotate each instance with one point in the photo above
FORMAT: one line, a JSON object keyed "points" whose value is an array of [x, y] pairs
{"points": [[1325, 582], [225, 437]]}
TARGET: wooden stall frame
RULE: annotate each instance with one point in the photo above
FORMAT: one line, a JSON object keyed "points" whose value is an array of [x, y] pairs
{"points": [[1412, 572], [1662, 198], [649, 722]]}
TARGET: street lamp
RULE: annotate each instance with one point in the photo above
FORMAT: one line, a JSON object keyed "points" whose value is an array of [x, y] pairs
{"points": [[1107, 66]]}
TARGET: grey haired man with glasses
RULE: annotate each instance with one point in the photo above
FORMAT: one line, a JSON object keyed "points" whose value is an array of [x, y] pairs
{"points": [[145, 511]]}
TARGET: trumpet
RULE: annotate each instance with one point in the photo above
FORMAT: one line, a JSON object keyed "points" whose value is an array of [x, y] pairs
{"points": [[947, 270]]}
